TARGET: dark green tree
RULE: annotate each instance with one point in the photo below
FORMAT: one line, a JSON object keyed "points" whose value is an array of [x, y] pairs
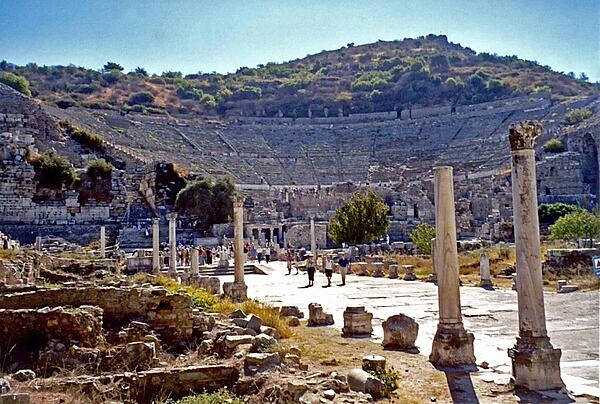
{"points": [[422, 235], [209, 202], [15, 81], [112, 66], [361, 219], [551, 212]]}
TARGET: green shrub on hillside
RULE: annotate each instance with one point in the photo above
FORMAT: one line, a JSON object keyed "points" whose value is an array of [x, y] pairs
{"points": [[141, 98], [577, 115], [53, 171], [99, 169], [17, 82], [83, 137], [554, 146]]}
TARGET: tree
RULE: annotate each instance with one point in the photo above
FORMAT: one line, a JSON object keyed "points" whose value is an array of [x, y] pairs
{"points": [[141, 71], [112, 66], [551, 212], [422, 235], [209, 202], [576, 225], [361, 219], [17, 82]]}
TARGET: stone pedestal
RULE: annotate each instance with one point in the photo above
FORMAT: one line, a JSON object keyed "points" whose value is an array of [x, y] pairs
{"points": [[223, 260], [409, 273], [237, 292], [378, 270], [172, 244], [484, 270], [399, 332], [155, 246], [316, 315], [452, 345], [102, 242], [535, 362], [393, 271], [357, 322], [374, 363]]}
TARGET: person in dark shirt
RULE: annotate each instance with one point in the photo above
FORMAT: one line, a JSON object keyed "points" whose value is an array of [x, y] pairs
{"points": [[343, 263]]}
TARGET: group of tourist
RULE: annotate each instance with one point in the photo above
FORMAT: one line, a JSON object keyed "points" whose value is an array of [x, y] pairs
{"points": [[327, 265], [205, 255], [258, 252]]}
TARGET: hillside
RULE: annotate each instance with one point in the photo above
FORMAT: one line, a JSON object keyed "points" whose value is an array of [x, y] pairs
{"points": [[383, 76]]}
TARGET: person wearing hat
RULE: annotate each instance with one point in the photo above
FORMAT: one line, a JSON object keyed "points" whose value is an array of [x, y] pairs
{"points": [[328, 266], [343, 263], [310, 268]]}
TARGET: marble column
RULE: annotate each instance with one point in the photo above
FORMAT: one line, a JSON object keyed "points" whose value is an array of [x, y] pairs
{"points": [[237, 290], [155, 246], [313, 238], [535, 362], [433, 276], [194, 255], [172, 244], [484, 271], [452, 344], [102, 242]]}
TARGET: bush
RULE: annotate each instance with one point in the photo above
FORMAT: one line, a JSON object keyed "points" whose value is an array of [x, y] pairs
{"points": [[53, 171], [551, 212], [81, 136], [554, 146], [99, 168], [16, 82], [217, 397], [141, 98], [577, 115], [422, 236]]}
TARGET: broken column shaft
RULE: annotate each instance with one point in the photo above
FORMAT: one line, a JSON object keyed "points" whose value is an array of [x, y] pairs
{"points": [[172, 244], [155, 246], [237, 290], [452, 345], [535, 362]]}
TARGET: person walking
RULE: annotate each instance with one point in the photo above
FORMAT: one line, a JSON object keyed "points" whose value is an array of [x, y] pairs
{"points": [[289, 258], [259, 253], [267, 252], [343, 263], [328, 266], [310, 269]]}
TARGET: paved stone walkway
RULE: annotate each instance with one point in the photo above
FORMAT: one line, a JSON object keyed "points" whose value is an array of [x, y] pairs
{"points": [[572, 319]]}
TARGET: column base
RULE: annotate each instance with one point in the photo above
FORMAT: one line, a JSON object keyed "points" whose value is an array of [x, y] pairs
{"points": [[452, 347], [536, 364], [236, 291], [486, 284]]}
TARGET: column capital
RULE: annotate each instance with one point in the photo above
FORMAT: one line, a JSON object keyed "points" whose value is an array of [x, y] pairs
{"points": [[156, 220], [238, 201], [522, 135], [172, 216]]}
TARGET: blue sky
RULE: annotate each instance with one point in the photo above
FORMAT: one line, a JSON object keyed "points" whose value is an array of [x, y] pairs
{"points": [[191, 36]]}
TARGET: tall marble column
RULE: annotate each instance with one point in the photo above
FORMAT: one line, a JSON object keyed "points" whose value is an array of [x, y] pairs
{"points": [[237, 290], [313, 238], [155, 246], [535, 362], [452, 344], [102, 242], [172, 244]]}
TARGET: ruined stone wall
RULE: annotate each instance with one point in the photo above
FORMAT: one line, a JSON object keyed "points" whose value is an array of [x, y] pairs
{"points": [[169, 315]]}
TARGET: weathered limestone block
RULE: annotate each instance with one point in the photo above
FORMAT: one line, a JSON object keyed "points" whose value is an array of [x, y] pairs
{"points": [[24, 375], [375, 363], [378, 270], [263, 343], [236, 291], [362, 269], [287, 311], [253, 322], [409, 273], [16, 398], [4, 385], [133, 356], [357, 321], [316, 316], [393, 271], [261, 361], [232, 341], [400, 331], [364, 382]]}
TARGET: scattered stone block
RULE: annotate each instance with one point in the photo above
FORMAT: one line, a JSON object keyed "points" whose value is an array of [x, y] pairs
{"points": [[270, 331], [357, 322], [364, 382], [232, 341], [24, 375], [375, 363], [409, 273], [317, 317], [4, 385], [329, 394], [263, 343], [288, 311], [17, 398], [254, 322], [378, 270], [564, 287], [393, 271], [293, 321], [400, 332], [261, 361]]}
